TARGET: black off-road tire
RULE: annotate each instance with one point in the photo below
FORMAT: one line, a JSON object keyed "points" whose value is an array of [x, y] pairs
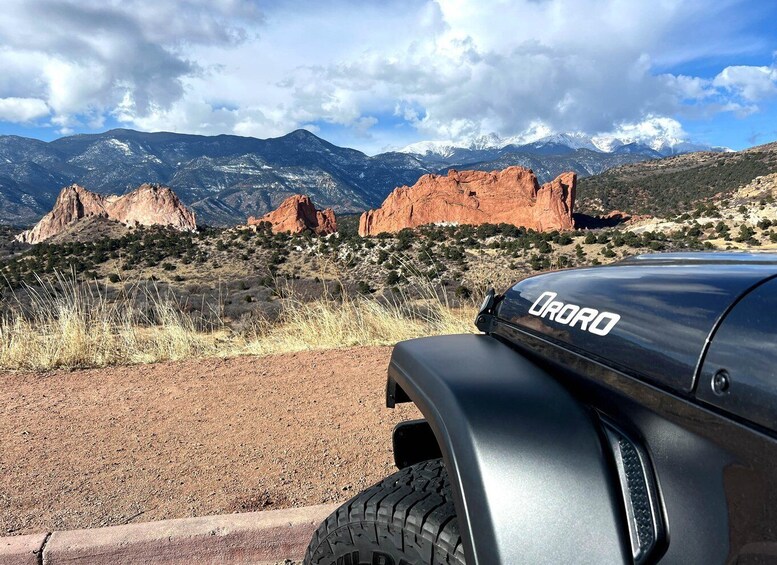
{"points": [[406, 519]]}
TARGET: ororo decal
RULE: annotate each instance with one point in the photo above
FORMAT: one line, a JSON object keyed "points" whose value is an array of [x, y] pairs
{"points": [[589, 319]]}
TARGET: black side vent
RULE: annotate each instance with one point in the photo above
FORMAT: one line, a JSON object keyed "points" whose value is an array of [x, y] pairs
{"points": [[640, 495]]}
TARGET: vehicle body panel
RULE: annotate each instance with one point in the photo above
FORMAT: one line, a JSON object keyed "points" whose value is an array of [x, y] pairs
{"points": [[717, 477], [532, 481], [744, 347]]}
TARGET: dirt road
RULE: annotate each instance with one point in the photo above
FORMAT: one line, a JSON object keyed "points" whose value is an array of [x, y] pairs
{"points": [[113, 446]]}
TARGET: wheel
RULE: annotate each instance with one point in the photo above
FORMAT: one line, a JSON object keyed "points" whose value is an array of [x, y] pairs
{"points": [[406, 519]]}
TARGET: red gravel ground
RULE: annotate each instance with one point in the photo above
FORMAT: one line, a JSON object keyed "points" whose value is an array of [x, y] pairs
{"points": [[102, 447]]}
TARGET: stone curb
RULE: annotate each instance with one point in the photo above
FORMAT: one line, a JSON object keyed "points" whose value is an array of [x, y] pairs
{"points": [[22, 550], [256, 537]]}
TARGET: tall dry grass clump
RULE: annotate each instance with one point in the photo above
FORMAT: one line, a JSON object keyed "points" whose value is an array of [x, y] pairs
{"points": [[351, 320], [64, 323]]}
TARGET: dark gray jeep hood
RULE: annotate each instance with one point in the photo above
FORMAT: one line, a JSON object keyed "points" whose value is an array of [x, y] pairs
{"points": [[650, 316]]}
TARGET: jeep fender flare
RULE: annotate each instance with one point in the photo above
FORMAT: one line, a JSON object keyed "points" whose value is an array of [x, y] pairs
{"points": [[532, 480]]}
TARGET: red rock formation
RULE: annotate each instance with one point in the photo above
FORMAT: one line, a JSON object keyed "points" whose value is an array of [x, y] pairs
{"points": [[147, 205], [73, 203], [297, 214], [511, 196]]}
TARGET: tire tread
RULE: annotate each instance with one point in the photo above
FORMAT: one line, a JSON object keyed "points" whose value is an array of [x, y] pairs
{"points": [[409, 512]]}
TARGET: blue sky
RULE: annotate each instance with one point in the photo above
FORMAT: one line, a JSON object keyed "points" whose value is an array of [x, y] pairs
{"points": [[381, 75]]}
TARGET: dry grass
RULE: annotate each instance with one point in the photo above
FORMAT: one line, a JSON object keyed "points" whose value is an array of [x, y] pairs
{"points": [[67, 324], [332, 322]]}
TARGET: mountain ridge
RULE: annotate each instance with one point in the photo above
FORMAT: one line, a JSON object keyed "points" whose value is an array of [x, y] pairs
{"points": [[226, 178]]}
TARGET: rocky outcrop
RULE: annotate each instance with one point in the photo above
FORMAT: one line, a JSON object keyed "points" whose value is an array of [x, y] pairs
{"points": [[73, 203], [151, 205], [759, 187], [148, 205], [511, 196], [297, 214]]}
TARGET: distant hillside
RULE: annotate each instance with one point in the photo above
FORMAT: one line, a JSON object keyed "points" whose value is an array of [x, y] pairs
{"points": [[665, 187], [8, 245]]}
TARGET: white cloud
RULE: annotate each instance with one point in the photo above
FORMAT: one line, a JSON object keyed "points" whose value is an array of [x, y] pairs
{"points": [[87, 57], [650, 128], [752, 83], [462, 69], [20, 110]]}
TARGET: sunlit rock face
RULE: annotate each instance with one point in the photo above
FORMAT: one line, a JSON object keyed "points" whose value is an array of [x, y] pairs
{"points": [[297, 214], [148, 205], [511, 196]]}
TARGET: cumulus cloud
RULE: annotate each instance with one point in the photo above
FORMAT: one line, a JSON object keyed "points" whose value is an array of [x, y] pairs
{"points": [[85, 57], [751, 83], [650, 128], [385, 72], [502, 68], [22, 110]]}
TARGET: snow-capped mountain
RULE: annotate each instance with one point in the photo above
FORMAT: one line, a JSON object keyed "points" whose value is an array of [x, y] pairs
{"points": [[665, 145], [571, 140], [444, 149], [660, 142]]}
